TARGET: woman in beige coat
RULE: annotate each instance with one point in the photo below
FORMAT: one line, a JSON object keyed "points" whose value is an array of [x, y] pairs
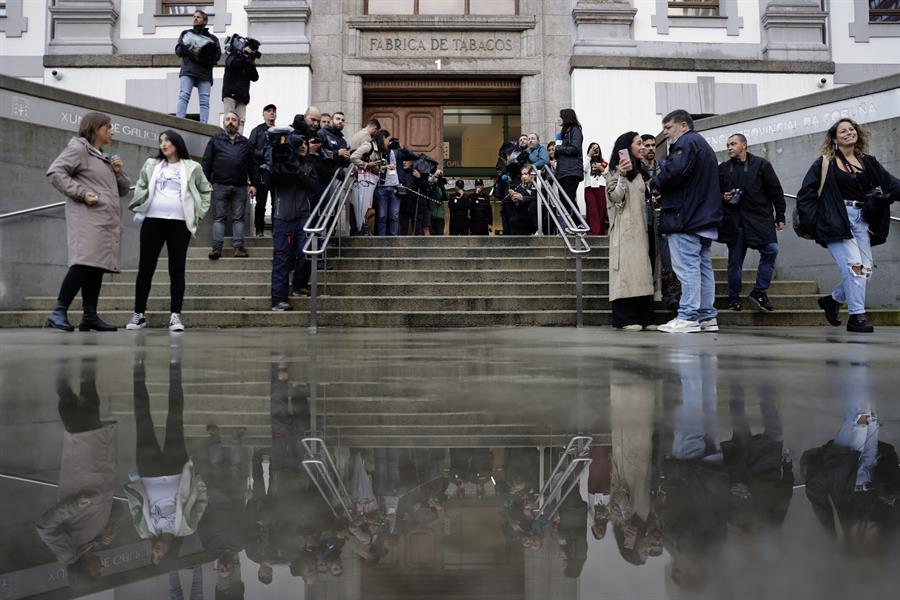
{"points": [[93, 182], [630, 271]]}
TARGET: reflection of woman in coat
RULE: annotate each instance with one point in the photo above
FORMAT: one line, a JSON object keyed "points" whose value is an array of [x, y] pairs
{"points": [[93, 182], [87, 480], [630, 271]]}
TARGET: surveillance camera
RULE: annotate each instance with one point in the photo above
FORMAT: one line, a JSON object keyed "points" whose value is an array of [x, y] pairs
{"points": [[823, 82], [56, 74]]}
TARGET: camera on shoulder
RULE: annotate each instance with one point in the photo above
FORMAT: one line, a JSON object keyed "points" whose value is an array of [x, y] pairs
{"points": [[238, 44]]}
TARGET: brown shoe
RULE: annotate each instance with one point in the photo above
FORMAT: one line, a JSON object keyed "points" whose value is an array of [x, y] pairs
{"points": [[215, 254], [240, 253]]}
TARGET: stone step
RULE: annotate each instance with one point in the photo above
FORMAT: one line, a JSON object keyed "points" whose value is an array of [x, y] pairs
{"points": [[359, 422], [299, 318], [433, 241], [417, 252], [378, 263], [395, 303]]}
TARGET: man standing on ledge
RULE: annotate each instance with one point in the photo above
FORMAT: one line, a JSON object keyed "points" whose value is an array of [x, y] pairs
{"points": [[750, 192], [229, 164], [691, 211], [198, 56]]}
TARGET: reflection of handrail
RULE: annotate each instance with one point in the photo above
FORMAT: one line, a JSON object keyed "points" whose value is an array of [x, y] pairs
{"points": [[42, 482], [25, 211], [337, 493], [793, 197], [551, 493], [557, 497]]}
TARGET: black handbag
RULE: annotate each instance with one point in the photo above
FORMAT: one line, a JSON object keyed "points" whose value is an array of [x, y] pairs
{"points": [[809, 233]]}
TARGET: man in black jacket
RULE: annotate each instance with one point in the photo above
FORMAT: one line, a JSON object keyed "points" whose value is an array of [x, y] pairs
{"points": [[199, 51], [240, 70], [334, 146], [228, 164], [750, 190], [690, 214], [481, 213], [258, 142], [295, 185]]}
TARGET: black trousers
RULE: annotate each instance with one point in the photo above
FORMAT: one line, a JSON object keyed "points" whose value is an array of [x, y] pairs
{"points": [[459, 224], [632, 311], [79, 412], [437, 226], [570, 186], [84, 278], [259, 213], [153, 461], [154, 234]]}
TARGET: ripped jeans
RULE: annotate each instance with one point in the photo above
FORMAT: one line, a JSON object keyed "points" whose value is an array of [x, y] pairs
{"points": [[847, 254]]}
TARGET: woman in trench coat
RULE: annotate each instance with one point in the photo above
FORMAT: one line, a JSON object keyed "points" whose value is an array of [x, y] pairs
{"points": [[630, 271], [92, 182]]}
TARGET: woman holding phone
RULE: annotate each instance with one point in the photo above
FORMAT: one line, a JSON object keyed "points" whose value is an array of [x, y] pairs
{"points": [[630, 271], [93, 182], [594, 192]]}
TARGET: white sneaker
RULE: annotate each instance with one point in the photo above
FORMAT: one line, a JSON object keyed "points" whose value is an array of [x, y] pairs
{"points": [[137, 322], [634, 327], [709, 326], [175, 324], [680, 326]]}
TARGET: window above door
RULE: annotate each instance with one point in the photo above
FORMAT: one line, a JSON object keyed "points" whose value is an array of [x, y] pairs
{"points": [[442, 7]]}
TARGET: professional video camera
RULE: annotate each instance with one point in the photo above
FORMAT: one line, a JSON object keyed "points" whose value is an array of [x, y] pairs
{"points": [[280, 154], [238, 44]]}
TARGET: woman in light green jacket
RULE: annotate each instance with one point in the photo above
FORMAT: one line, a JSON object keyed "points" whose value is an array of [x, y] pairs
{"points": [[171, 196]]}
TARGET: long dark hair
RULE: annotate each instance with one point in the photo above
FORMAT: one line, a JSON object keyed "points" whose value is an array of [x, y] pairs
{"points": [[623, 142], [599, 157], [569, 119], [177, 141]]}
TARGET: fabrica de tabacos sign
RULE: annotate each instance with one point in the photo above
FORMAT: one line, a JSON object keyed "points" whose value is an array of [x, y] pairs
{"points": [[459, 44]]}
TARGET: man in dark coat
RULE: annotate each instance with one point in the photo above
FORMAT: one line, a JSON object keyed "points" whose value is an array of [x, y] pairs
{"points": [[240, 70], [512, 156], [258, 142], [750, 192], [481, 215], [690, 214], [199, 51], [524, 199], [459, 207]]}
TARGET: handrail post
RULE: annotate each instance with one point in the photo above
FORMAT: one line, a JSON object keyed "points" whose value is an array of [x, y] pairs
{"points": [[313, 285], [542, 197], [579, 300]]}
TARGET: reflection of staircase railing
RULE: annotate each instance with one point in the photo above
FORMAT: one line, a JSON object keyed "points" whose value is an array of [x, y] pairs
{"points": [[319, 231], [569, 224], [565, 476], [327, 478]]}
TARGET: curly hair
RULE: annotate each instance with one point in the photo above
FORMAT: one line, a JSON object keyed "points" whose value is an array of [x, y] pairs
{"points": [[861, 147]]}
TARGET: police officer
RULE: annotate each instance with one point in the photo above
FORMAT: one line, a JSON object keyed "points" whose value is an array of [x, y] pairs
{"points": [[523, 198], [481, 216], [459, 210]]}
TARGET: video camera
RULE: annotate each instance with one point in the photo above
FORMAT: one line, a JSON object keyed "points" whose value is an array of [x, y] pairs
{"points": [[238, 44], [283, 143]]}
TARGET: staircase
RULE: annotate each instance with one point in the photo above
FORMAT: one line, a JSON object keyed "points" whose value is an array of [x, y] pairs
{"points": [[411, 281]]}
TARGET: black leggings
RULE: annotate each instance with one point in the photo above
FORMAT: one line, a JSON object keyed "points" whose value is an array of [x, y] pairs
{"points": [[79, 412], [153, 461], [570, 186], [176, 237], [84, 278]]}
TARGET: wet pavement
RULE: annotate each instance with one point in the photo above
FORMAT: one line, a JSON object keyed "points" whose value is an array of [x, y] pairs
{"points": [[502, 464]]}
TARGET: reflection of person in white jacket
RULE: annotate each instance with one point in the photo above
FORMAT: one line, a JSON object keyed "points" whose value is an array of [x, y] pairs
{"points": [[83, 517]]}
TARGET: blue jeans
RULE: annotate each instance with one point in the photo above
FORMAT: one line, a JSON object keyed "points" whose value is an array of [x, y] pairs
{"points": [[847, 253], [737, 251], [692, 263], [228, 201], [387, 209], [695, 417], [186, 85], [288, 239]]}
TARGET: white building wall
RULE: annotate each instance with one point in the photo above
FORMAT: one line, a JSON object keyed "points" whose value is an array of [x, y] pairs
{"points": [[644, 31], [845, 49], [33, 40], [129, 28]]}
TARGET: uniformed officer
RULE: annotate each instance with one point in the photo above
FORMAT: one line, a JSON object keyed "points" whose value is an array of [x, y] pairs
{"points": [[459, 210], [481, 217], [524, 198]]}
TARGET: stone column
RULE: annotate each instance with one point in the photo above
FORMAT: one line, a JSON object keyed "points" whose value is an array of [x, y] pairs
{"points": [[604, 27], [795, 30], [279, 24], [83, 27]]}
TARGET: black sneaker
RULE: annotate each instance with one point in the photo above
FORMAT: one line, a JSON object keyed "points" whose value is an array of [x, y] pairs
{"points": [[859, 324], [282, 307], [735, 304], [761, 300], [831, 308]]}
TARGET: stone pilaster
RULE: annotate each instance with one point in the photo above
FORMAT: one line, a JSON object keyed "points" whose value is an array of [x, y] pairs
{"points": [[604, 27], [795, 30], [83, 27], [15, 23], [279, 24]]}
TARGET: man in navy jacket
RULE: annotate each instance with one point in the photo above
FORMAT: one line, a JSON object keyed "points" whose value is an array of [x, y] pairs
{"points": [[687, 187]]}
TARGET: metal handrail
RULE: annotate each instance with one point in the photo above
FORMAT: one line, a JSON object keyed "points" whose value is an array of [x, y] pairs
{"points": [[26, 211], [560, 209], [793, 197], [565, 476], [336, 494]]}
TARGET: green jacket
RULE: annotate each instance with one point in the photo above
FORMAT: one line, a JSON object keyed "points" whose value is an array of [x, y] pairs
{"points": [[439, 195], [196, 191], [192, 501]]}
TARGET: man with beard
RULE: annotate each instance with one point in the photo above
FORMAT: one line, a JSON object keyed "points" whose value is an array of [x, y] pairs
{"points": [[334, 145], [199, 51], [229, 165]]}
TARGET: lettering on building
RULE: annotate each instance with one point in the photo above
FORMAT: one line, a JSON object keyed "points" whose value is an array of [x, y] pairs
{"points": [[453, 44]]}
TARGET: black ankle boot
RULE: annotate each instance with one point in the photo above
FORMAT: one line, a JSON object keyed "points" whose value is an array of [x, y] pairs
{"points": [[831, 308], [91, 322], [859, 324], [58, 319]]}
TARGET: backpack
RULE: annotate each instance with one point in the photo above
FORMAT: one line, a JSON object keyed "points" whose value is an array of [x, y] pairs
{"points": [[795, 215]]}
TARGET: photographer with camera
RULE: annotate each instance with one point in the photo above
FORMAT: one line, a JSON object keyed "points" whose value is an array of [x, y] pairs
{"points": [[368, 159], [199, 51], [291, 175], [334, 145], [240, 70], [750, 192], [259, 140]]}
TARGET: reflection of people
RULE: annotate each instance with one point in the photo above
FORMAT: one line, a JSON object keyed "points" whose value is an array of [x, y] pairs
{"points": [[168, 499], [83, 517], [853, 481]]}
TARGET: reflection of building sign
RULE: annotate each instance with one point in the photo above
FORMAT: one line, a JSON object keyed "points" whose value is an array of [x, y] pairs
{"points": [[456, 44], [816, 119]]}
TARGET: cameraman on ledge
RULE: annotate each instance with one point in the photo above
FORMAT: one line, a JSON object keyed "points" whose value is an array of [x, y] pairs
{"points": [[240, 70]]}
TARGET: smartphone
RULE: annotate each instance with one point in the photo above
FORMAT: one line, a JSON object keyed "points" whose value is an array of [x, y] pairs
{"points": [[624, 155]]}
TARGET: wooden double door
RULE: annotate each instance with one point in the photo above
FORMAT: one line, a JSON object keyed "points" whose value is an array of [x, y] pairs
{"points": [[419, 128]]}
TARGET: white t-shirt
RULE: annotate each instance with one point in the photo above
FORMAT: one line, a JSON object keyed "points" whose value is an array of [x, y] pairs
{"points": [[162, 494], [165, 200]]}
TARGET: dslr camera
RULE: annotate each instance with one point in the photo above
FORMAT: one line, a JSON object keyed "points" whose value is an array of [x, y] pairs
{"points": [[238, 44]]}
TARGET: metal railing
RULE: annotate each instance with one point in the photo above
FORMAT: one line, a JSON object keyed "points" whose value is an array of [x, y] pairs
{"points": [[793, 197], [569, 225], [565, 476], [323, 472], [320, 231], [25, 211]]}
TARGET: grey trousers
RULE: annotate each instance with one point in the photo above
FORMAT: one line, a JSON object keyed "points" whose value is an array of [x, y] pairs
{"points": [[228, 200]]}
